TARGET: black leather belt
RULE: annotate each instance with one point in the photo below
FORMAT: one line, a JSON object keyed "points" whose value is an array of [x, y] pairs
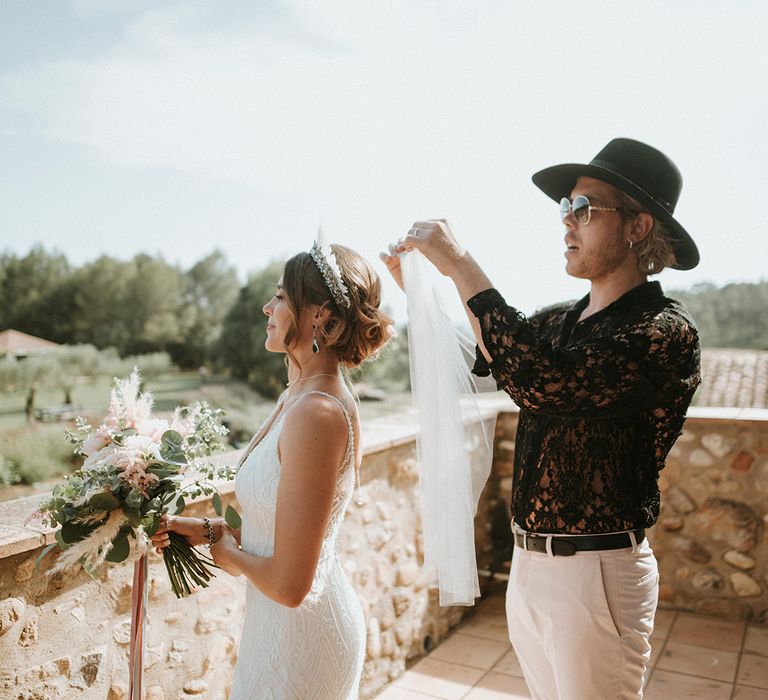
{"points": [[565, 546]]}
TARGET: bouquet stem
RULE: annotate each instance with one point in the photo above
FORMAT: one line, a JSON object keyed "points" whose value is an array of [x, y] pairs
{"points": [[186, 566]]}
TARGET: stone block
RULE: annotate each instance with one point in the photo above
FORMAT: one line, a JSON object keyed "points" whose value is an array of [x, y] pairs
{"points": [[700, 458], [708, 579], [88, 670], [209, 622], [29, 631], [221, 647], [407, 574], [196, 687], [25, 570], [117, 691], [728, 487], [58, 668], [717, 444], [121, 632], [679, 500], [121, 597], [155, 692], [691, 549], [739, 559], [401, 602], [388, 644], [11, 611], [672, 522], [744, 585], [373, 646], [743, 460], [731, 522]]}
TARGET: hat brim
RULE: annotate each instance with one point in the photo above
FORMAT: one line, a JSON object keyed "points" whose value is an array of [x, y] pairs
{"points": [[557, 182]]}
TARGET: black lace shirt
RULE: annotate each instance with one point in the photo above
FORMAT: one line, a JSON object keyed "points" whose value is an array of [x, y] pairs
{"points": [[601, 401]]}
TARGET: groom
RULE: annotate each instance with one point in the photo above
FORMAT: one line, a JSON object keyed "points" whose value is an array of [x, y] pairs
{"points": [[603, 385]]}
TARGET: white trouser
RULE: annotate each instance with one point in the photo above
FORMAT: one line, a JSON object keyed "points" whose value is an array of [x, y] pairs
{"points": [[580, 625]]}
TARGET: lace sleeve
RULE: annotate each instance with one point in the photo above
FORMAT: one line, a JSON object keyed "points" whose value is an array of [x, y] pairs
{"points": [[643, 365]]}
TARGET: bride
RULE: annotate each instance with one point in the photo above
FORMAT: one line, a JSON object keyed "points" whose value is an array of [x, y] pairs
{"points": [[303, 634]]}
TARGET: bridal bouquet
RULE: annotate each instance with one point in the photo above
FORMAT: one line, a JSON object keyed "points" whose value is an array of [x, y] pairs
{"points": [[134, 472]]}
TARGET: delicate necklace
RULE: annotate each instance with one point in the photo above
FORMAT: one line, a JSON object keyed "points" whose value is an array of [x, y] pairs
{"points": [[312, 376]]}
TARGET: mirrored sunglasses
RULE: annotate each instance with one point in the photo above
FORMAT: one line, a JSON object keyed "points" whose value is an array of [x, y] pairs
{"points": [[581, 208]]}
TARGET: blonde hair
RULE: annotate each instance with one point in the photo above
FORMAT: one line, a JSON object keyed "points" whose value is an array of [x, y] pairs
{"points": [[654, 252]]}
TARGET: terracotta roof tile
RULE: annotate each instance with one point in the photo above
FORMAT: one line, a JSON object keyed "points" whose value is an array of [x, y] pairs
{"points": [[18, 343], [733, 378]]}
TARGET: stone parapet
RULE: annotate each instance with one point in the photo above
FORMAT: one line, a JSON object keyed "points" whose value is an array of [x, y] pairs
{"points": [[67, 636], [711, 537]]}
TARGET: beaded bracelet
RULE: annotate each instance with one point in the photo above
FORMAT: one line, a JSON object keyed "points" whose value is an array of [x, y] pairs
{"points": [[209, 532]]}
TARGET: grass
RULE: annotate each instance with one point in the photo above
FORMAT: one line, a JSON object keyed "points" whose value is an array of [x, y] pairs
{"points": [[38, 453]]}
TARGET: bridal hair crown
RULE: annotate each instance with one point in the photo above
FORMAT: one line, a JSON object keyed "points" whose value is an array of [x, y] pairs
{"points": [[325, 260]]}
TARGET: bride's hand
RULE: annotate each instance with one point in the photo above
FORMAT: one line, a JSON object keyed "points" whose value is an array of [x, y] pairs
{"points": [[392, 260], [191, 528], [223, 550]]}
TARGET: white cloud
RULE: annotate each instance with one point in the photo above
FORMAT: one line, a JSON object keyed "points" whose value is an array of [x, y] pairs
{"points": [[367, 114]]}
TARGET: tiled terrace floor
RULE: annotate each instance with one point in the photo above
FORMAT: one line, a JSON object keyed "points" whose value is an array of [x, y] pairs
{"points": [[693, 656]]}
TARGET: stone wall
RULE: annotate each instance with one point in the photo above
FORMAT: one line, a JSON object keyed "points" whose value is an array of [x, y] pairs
{"points": [[711, 539], [67, 636]]}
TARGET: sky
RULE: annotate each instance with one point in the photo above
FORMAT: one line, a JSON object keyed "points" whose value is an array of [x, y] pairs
{"points": [[177, 128]]}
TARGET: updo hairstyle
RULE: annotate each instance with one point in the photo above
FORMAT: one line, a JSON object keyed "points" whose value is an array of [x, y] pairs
{"points": [[354, 334]]}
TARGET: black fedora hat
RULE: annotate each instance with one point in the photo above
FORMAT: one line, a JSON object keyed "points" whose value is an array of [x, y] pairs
{"points": [[640, 171]]}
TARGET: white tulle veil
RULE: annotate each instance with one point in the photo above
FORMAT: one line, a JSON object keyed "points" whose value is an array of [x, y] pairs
{"points": [[455, 444]]}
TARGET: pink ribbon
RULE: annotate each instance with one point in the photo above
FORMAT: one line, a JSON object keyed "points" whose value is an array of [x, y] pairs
{"points": [[138, 605]]}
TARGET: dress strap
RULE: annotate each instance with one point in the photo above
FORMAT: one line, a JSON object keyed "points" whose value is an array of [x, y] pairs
{"points": [[351, 431]]}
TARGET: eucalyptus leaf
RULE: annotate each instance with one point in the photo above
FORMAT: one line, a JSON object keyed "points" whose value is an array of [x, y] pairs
{"points": [[60, 540], [42, 554], [74, 532], [180, 505], [121, 548], [134, 499], [103, 501], [216, 502], [151, 523], [232, 518]]}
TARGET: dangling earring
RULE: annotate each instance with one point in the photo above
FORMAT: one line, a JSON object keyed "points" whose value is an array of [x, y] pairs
{"points": [[631, 243], [315, 346]]}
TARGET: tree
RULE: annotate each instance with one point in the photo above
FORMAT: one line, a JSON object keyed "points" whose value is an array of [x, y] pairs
{"points": [[241, 345], [26, 285], [211, 289], [733, 316]]}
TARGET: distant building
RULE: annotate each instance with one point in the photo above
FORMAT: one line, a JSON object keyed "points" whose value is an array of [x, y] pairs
{"points": [[733, 378], [18, 344]]}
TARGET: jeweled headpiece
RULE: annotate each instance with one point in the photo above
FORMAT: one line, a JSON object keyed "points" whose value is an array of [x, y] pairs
{"points": [[326, 262]]}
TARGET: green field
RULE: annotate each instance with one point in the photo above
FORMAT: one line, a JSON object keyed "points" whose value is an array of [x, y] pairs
{"points": [[37, 454]]}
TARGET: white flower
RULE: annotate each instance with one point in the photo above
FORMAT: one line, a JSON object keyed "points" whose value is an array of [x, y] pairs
{"points": [[93, 444], [153, 428], [141, 447]]}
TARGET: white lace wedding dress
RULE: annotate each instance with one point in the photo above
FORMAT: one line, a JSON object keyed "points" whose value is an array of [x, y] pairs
{"points": [[314, 651]]}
